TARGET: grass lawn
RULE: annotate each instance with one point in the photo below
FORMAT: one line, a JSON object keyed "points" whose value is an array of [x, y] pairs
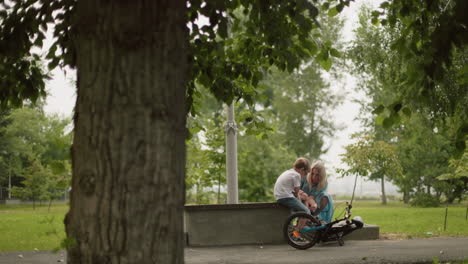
{"points": [[403, 221], [25, 229]]}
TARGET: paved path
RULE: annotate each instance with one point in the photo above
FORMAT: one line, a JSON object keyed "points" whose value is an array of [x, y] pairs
{"points": [[354, 251]]}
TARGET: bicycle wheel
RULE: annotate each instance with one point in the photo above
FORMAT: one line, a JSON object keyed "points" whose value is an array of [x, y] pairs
{"points": [[305, 239]]}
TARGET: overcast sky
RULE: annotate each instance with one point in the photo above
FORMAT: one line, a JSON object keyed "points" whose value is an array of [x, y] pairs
{"points": [[62, 96]]}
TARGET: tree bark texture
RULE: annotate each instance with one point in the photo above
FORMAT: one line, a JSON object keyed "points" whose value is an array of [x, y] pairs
{"points": [[129, 144], [406, 197], [384, 196]]}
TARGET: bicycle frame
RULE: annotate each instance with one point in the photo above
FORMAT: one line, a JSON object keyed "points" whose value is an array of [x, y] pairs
{"points": [[330, 231]]}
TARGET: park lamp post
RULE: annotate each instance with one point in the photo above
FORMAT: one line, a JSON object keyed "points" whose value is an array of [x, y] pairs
{"points": [[231, 156], [231, 146]]}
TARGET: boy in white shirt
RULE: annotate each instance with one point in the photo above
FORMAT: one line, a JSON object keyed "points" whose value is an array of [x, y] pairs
{"points": [[287, 187]]}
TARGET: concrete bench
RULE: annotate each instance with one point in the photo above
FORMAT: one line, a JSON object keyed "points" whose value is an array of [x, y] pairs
{"points": [[248, 223]]}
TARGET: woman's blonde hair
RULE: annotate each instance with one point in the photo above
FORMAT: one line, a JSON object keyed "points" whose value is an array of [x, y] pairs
{"points": [[322, 174]]}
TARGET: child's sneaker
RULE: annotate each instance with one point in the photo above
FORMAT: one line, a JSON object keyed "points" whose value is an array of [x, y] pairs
{"points": [[296, 237], [296, 234]]}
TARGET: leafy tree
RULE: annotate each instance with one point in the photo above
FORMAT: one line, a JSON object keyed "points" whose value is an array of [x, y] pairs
{"points": [[260, 163], [302, 102], [59, 181], [431, 42], [206, 160], [29, 134], [300, 110], [196, 173], [25, 132], [215, 139], [4, 166], [34, 184], [426, 136], [457, 178], [374, 159], [21, 76], [23, 141], [429, 29], [379, 69], [133, 67], [424, 151], [11, 167], [57, 139], [246, 54]]}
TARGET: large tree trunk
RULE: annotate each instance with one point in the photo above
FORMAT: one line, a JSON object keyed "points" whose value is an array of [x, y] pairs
{"points": [[384, 197], [129, 144], [406, 197]]}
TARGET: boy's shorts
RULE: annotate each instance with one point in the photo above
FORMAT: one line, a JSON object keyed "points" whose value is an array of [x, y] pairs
{"points": [[294, 204]]}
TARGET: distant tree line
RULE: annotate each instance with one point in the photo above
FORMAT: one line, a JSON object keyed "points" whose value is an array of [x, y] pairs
{"points": [[414, 138], [34, 153]]}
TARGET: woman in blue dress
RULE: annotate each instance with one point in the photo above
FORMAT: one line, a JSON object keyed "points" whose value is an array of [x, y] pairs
{"points": [[315, 186]]}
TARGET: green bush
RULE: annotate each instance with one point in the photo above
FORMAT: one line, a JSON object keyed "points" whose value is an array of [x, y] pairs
{"points": [[424, 200]]}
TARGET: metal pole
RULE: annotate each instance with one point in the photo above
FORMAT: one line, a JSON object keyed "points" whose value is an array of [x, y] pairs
{"points": [[231, 156], [446, 213]]}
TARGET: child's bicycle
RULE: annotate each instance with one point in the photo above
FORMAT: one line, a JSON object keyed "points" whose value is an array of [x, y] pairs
{"points": [[315, 230]]}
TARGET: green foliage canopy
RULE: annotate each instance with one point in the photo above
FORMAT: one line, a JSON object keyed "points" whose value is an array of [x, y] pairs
{"points": [[426, 130], [261, 34], [31, 138], [301, 107], [371, 158], [34, 184], [429, 29], [423, 50]]}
